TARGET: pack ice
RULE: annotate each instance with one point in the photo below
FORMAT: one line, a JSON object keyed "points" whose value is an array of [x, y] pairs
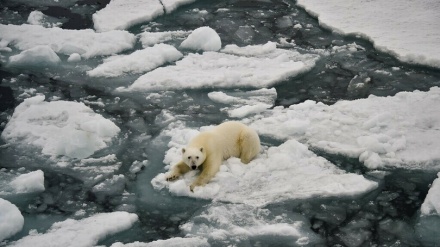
{"points": [[59, 128], [397, 131]]}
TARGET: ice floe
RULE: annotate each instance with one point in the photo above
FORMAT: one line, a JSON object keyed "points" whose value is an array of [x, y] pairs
{"points": [[59, 128], [12, 183], [431, 205], [128, 13], [151, 38], [202, 39], [386, 24], [137, 62], [11, 219], [87, 42], [40, 56], [242, 104], [279, 174], [398, 131], [80, 233], [171, 5], [172, 242], [218, 69], [243, 225]]}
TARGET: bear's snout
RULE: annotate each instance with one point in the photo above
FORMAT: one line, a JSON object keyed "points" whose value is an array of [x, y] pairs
{"points": [[193, 167]]}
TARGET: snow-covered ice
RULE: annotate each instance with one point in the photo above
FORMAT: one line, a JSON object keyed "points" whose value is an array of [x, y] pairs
{"points": [[59, 128], [40, 56], [279, 174], [86, 42], [407, 29], [137, 62], [171, 242], [122, 14], [202, 39], [80, 233], [431, 205], [243, 104], [22, 183], [243, 225], [11, 220], [151, 38], [398, 131], [171, 5], [251, 67]]}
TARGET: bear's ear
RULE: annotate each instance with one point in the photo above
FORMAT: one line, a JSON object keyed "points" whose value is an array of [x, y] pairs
{"points": [[183, 150], [201, 150]]}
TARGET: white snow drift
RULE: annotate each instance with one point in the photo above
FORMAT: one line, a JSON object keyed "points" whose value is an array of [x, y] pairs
{"points": [[59, 128], [405, 28], [279, 174], [398, 131]]}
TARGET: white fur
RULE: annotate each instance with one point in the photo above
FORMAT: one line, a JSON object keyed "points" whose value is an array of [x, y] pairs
{"points": [[209, 149]]}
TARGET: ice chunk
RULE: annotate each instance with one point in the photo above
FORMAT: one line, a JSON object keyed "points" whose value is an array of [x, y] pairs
{"points": [[86, 232], [280, 174], [137, 62], [386, 25], [11, 219], [59, 128], [202, 39], [398, 131], [84, 42], [172, 242], [110, 187], [431, 205], [40, 56], [171, 5], [13, 183], [149, 38], [245, 103], [128, 13], [36, 18], [214, 69], [243, 225]]}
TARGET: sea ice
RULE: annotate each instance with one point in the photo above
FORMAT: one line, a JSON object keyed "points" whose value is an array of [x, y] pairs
{"points": [[202, 39], [245, 103], [40, 56], [128, 13], [80, 233], [243, 225], [386, 24], [11, 219], [137, 62], [431, 205], [59, 128], [87, 42], [279, 174], [398, 131], [172, 242], [22, 183], [245, 67], [171, 5], [151, 38]]}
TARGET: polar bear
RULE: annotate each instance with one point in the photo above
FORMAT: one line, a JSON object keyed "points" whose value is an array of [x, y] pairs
{"points": [[209, 149]]}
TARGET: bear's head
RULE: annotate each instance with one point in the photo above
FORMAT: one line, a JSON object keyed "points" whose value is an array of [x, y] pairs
{"points": [[193, 157]]}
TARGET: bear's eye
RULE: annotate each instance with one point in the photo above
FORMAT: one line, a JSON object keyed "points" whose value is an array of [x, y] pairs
{"points": [[197, 157], [189, 157]]}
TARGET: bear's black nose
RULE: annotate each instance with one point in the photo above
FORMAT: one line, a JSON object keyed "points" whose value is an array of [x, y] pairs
{"points": [[193, 167]]}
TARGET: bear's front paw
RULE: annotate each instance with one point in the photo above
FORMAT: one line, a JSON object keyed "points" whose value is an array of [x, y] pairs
{"points": [[172, 177], [192, 187]]}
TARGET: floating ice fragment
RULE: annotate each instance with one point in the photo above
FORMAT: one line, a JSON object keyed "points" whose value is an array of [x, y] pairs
{"points": [[137, 62], [431, 205], [149, 38], [59, 128], [40, 56], [11, 219], [172, 242], [80, 233], [202, 39]]}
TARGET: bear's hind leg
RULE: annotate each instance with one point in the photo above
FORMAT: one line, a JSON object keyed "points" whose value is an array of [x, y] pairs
{"points": [[178, 170], [249, 145]]}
